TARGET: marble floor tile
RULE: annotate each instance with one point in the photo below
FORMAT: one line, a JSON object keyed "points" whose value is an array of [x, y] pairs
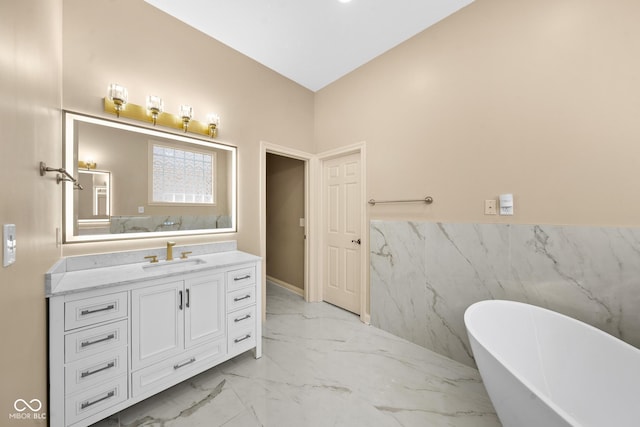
{"points": [[321, 367]]}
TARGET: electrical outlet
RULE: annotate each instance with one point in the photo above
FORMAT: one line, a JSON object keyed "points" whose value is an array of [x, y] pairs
{"points": [[9, 244], [490, 207]]}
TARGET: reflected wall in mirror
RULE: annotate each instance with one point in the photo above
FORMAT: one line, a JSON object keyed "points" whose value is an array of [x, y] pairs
{"points": [[94, 201], [150, 183]]}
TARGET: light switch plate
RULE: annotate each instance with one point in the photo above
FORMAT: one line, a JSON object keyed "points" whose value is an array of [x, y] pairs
{"points": [[9, 244]]}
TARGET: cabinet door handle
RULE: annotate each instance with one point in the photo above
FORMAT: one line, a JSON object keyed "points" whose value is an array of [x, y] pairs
{"points": [[88, 343], [248, 276], [240, 319], [188, 298], [241, 298], [86, 404], [98, 310], [180, 305], [104, 368], [188, 362], [246, 337]]}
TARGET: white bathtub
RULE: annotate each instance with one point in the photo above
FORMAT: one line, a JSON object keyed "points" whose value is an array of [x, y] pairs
{"points": [[544, 369]]}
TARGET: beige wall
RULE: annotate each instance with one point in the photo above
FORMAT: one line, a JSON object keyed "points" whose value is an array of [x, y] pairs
{"points": [[30, 66], [150, 52], [285, 207], [537, 98]]}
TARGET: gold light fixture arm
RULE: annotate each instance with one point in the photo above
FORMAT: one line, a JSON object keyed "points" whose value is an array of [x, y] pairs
{"points": [[173, 121]]}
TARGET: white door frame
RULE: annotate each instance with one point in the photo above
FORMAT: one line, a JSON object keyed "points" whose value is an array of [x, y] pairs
{"points": [[358, 148], [267, 147], [314, 259]]}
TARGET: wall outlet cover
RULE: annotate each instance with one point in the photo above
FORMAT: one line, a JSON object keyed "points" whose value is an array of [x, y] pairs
{"points": [[490, 207]]}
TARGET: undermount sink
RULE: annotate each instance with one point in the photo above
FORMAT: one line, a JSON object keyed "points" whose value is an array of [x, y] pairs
{"points": [[175, 265]]}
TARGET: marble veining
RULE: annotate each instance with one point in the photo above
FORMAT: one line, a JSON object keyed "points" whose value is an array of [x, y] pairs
{"points": [[322, 367], [76, 274], [147, 223], [424, 275], [84, 262]]}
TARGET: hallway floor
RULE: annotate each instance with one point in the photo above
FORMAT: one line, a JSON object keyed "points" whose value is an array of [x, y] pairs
{"points": [[321, 367]]}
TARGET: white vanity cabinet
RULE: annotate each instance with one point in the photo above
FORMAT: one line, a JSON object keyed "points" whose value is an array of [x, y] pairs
{"points": [[241, 308], [113, 345], [168, 323], [93, 340]]}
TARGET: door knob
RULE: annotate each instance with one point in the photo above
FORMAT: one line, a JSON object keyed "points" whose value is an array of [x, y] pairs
{"points": [[356, 241]]}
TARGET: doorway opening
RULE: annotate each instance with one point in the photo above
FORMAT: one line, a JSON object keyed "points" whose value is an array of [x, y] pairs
{"points": [[306, 159], [285, 222]]}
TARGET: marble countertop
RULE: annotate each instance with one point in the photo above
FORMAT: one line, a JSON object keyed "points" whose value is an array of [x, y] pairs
{"points": [[60, 281]]}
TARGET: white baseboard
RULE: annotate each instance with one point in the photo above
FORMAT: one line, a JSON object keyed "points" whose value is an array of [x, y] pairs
{"points": [[286, 285]]}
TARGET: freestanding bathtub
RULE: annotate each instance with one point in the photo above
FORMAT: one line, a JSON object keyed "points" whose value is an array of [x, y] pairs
{"points": [[544, 369]]}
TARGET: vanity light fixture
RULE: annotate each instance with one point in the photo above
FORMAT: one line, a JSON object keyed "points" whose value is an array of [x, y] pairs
{"points": [[118, 95], [87, 164], [153, 112], [214, 122], [155, 107], [186, 113]]}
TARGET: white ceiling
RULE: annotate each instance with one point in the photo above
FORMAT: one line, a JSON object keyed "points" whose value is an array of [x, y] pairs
{"points": [[312, 42]]}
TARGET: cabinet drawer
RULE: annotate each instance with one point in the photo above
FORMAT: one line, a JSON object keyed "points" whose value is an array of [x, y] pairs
{"points": [[91, 371], [89, 342], [241, 319], [94, 310], [241, 298], [168, 372], [91, 401], [241, 339], [241, 278]]}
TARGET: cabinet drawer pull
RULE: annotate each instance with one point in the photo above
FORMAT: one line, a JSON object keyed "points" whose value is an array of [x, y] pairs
{"points": [[188, 298], [246, 337], [241, 298], [104, 368], [248, 276], [88, 343], [240, 319], [180, 306], [188, 362], [86, 404], [98, 310]]}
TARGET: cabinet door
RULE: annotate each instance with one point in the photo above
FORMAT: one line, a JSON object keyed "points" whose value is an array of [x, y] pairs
{"points": [[157, 323], [204, 312]]}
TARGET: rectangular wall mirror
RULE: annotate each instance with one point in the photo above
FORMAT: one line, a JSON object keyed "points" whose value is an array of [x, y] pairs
{"points": [[141, 182]]}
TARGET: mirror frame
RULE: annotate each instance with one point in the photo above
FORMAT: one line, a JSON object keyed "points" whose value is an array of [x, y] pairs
{"points": [[70, 163]]}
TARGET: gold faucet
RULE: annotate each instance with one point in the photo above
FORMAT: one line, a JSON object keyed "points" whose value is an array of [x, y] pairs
{"points": [[170, 246]]}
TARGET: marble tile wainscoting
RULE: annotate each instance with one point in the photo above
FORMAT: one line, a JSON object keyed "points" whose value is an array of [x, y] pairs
{"points": [[424, 275]]}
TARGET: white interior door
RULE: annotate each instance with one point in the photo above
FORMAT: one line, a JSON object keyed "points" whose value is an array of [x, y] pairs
{"points": [[342, 228]]}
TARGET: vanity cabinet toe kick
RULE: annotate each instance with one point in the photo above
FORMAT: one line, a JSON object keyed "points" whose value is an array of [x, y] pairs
{"points": [[112, 347]]}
